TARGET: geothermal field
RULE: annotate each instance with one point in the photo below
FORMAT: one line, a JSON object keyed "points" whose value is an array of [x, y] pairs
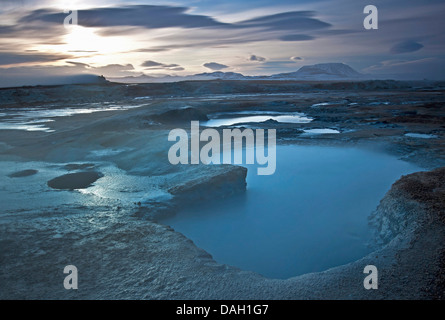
{"points": [[359, 180]]}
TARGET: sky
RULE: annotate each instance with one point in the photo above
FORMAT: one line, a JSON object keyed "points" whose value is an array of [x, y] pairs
{"points": [[252, 37]]}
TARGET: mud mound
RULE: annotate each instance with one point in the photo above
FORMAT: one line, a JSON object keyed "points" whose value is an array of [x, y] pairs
{"points": [[71, 181], [427, 188], [23, 173]]}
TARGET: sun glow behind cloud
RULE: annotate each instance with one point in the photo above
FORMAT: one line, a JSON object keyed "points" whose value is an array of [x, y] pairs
{"points": [[88, 45], [87, 39]]}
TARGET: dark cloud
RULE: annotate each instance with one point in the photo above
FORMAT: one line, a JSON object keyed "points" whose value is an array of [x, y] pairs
{"points": [[146, 16], [44, 33], [199, 42], [153, 65], [154, 49], [296, 37], [406, 46], [171, 65], [45, 26], [296, 58], [295, 20], [337, 32], [7, 58], [6, 30], [153, 17], [79, 64], [215, 66], [150, 63], [256, 58]]}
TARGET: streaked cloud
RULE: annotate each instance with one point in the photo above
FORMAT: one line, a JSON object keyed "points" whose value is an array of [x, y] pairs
{"points": [[296, 37], [410, 69], [147, 16], [154, 17], [297, 20], [9, 58]]}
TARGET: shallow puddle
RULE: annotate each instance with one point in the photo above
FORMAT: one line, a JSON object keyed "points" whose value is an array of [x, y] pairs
{"points": [[421, 135]]}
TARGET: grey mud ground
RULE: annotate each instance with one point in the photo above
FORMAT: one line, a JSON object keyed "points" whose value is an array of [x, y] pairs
{"points": [[120, 249]]}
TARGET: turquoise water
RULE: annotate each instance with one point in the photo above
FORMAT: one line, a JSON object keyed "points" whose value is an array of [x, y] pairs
{"points": [[311, 215]]}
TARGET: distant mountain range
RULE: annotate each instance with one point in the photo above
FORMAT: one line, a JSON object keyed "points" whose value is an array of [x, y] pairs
{"points": [[316, 72], [11, 82]]}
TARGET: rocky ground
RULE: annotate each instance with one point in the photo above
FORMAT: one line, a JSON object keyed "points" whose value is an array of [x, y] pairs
{"points": [[120, 249]]}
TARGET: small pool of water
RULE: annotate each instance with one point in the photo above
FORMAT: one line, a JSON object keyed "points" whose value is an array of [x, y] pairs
{"points": [[320, 131], [26, 126], [232, 119], [35, 119], [311, 215], [421, 135]]}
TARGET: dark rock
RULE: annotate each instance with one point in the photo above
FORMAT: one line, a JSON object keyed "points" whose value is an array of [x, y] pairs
{"points": [[180, 116], [228, 182]]}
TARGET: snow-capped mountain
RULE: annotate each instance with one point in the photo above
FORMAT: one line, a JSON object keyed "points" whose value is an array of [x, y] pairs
{"points": [[200, 76], [323, 71]]}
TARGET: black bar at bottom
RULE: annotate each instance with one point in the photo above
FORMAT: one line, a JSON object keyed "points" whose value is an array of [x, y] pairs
{"points": [[211, 309]]}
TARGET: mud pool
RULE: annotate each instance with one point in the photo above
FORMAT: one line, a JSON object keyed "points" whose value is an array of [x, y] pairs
{"points": [[311, 215]]}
